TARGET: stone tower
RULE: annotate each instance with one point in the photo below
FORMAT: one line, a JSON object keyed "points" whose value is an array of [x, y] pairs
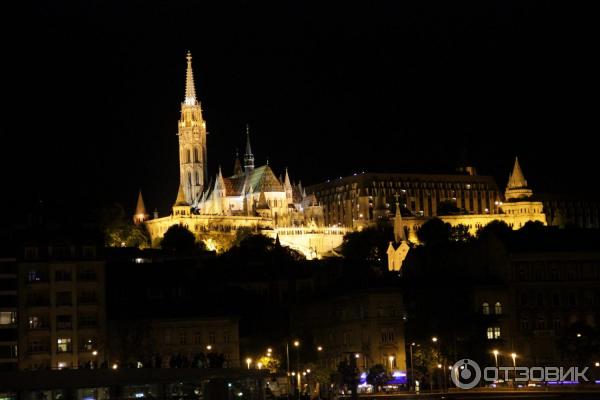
{"points": [[192, 141]]}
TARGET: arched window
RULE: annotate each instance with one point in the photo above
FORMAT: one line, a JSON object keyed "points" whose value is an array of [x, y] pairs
{"points": [[196, 158], [187, 156], [198, 178], [498, 308], [485, 308], [189, 177]]}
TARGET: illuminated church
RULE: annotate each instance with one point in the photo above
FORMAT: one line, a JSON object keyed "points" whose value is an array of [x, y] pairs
{"points": [[253, 197]]}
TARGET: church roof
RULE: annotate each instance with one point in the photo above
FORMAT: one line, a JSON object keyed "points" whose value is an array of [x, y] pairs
{"points": [[261, 179]]}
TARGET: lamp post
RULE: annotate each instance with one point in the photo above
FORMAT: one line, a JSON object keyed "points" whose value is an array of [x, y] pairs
{"points": [[514, 358], [298, 379], [412, 368], [248, 362], [496, 357], [287, 357], [437, 342], [391, 358]]}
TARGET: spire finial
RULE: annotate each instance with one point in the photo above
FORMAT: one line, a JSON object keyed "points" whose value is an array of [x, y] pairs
{"points": [[190, 89], [248, 157]]}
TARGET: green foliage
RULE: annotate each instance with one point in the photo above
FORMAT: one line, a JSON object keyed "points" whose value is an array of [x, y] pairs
{"points": [[498, 229], [119, 229], [368, 246], [378, 376], [433, 232], [348, 373], [460, 233], [241, 234], [179, 240]]}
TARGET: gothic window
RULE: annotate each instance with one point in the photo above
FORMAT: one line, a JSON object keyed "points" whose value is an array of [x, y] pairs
{"points": [[498, 308], [187, 156], [485, 308], [197, 178], [196, 158], [189, 178]]}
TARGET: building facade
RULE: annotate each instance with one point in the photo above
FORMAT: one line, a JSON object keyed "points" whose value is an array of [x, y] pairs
{"points": [[252, 197], [62, 321], [368, 323], [8, 314]]}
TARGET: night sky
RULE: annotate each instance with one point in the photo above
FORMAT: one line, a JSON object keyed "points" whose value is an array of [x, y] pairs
{"points": [[94, 92]]}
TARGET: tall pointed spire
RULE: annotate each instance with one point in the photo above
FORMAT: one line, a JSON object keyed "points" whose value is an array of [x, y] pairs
{"points": [[237, 165], [140, 210], [190, 89], [399, 234], [248, 157], [517, 184]]}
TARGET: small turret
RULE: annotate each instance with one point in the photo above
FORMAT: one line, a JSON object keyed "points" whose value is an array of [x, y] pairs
{"points": [[517, 184], [140, 214]]}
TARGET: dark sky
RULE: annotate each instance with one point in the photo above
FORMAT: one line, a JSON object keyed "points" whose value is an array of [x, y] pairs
{"points": [[327, 91]]}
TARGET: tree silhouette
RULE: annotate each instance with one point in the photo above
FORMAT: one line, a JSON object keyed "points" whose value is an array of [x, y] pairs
{"points": [[179, 240]]}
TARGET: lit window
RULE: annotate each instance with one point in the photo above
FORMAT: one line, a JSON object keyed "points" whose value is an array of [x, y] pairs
{"points": [[63, 345], [493, 332], [498, 308], [8, 317], [485, 308]]}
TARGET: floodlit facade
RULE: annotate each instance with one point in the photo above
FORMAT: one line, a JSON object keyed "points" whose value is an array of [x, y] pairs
{"points": [[252, 197]]}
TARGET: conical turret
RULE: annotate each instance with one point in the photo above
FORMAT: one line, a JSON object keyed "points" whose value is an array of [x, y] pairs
{"points": [[181, 200], [140, 210], [517, 184]]}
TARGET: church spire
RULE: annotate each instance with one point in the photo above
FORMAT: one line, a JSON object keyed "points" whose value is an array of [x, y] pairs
{"points": [[248, 157], [399, 235], [140, 214], [190, 89], [517, 184]]}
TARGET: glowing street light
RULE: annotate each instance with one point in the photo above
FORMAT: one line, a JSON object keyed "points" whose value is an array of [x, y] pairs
{"points": [[248, 361], [440, 366], [259, 365], [95, 352], [434, 339], [496, 357], [391, 358], [597, 364], [320, 348], [514, 357], [296, 343], [269, 350], [115, 366], [209, 347]]}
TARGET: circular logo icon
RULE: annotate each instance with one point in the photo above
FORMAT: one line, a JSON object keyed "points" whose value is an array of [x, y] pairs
{"points": [[466, 374]]}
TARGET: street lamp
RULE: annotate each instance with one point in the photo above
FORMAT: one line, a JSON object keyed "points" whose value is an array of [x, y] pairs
{"points": [[412, 368], [259, 365], [248, 361], [496, 357], [434, 339], [514, 358], [209, 347], [320, 348], [391, 358]]}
